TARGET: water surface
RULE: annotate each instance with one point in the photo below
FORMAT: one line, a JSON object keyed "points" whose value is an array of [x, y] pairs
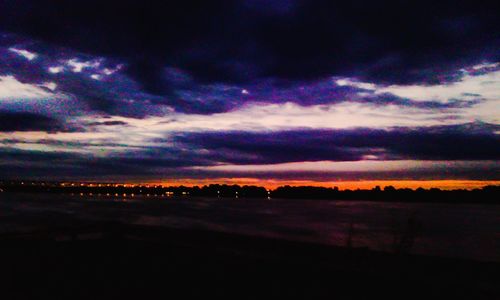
{"points": [[456, 230]]}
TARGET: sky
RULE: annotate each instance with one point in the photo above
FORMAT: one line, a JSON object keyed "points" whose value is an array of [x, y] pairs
{"points": [[347, 93]]}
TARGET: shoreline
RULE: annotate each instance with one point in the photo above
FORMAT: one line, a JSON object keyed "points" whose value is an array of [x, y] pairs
{"points": [[132, 196]]}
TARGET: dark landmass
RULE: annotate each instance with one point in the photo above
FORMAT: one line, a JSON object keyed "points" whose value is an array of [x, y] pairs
{"points": [[78, 258], [488, 194], [113, 261]]}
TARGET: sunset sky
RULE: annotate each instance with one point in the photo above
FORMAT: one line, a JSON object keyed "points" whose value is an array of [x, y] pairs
{"points": [[351, 93]]}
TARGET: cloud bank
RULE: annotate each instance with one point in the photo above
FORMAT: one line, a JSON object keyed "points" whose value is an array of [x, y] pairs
{"points": [[235, 89]]}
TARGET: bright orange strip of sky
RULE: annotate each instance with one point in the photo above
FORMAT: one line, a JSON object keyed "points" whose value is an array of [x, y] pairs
{"points": [[368, 184]]}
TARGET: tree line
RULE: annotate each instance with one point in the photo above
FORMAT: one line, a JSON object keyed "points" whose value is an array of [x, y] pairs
{"points": [[487, 194]]}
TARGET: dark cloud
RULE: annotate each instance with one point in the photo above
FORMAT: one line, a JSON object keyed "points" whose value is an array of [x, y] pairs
{"points": [[208, 99], [15, 163], [210, 57], [473, 141], [107, 123], [115, 93], [118, 94], [434, 143], [241, 41], [10, 121]]}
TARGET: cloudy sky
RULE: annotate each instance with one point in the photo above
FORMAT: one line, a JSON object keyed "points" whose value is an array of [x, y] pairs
{"points": [[250, 91]]}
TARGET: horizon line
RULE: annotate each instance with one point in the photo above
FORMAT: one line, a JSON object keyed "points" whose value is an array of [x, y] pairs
{"points": [[443, 184]]}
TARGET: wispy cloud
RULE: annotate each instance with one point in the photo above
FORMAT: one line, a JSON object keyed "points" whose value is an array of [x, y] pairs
{"points": [[24, 53]]}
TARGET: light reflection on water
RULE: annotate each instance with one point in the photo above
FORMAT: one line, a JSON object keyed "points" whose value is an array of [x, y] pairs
{"points": [[459, 230]]}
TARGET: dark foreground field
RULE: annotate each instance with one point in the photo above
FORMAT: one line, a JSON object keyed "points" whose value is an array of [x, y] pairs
{"points": [[111, 261]]}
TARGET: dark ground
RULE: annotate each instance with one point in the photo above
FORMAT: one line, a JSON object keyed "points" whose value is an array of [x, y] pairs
{"points": [[111, 261]]}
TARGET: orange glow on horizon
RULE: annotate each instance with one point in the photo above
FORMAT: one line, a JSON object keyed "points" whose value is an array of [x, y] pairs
{"points": [[342, 185]]}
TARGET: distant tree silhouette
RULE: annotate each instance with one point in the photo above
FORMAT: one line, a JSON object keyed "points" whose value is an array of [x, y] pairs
{"points": [[389, 189], [488, 194]]}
